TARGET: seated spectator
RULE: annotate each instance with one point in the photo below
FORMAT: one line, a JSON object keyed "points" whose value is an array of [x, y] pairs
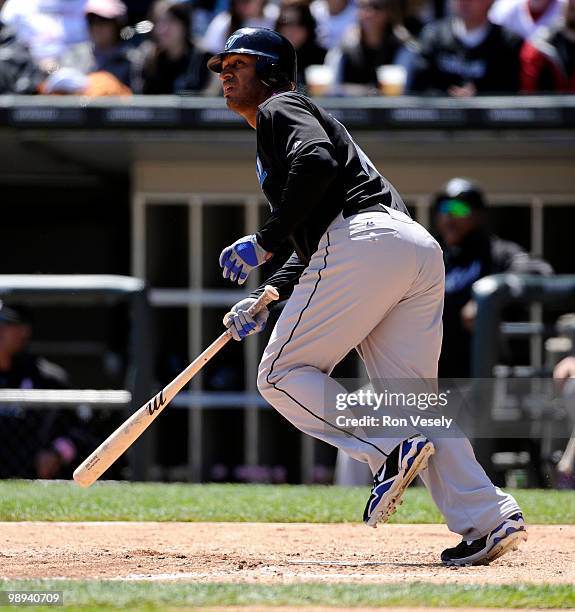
{"points": [[465, 54], [375, 41], [297, 24], [173, 64], [548, 60], [242, 13], [34, 443], [470, 252], [19, 73], [105, 51], [524, 16], [334, 18], [48, 27]]}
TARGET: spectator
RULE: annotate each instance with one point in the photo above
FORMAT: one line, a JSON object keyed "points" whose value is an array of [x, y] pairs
{"points": [[297, 24], [524, 16], [470, 253], [548, 60], [376, 40], [334, 18], [19, 73], [242, 13], [465, 54], [54, 438], [48, 27], [174, 64], [105, 51]]}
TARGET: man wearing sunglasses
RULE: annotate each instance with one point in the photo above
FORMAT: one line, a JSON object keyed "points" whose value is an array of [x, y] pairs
{"points": [[470, 252]]}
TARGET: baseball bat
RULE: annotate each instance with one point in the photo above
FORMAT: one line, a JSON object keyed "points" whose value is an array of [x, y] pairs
{"points": [[120, 440]]}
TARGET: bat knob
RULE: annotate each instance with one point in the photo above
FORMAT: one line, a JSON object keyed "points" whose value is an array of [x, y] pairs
{"points": [[227, 317]]}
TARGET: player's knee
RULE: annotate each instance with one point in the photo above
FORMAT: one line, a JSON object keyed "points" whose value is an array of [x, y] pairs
{"points": [[268, 377], [265, 387]]}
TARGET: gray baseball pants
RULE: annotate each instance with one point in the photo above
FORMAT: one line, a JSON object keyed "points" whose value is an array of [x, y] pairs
{"points": [[376, 284]]}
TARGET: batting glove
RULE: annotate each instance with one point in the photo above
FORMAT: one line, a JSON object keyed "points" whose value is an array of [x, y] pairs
{"points": [[241, 323], [239, 259]]}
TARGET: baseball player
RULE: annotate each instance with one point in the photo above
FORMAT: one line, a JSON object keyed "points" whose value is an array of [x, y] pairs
{"points": [[362, 275]]}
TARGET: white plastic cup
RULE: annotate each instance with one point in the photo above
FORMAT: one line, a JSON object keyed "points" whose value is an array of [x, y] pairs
{"points": [[319, 79], [391, 79]]}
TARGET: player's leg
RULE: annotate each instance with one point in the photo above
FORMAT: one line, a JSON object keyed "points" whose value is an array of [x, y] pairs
{"points": [[406, 345], [348, 288]]}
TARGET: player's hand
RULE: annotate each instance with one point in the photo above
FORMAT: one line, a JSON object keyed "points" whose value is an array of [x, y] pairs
{"points": [[239, 259], [468, 316], [467, 90], [241, 323], [563, 370]]}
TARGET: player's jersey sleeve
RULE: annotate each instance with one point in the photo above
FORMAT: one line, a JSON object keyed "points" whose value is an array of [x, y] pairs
{"points": [[283, 279], [300, 164]]}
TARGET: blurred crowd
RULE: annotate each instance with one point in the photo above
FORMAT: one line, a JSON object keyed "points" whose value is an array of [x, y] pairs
{"points": [[345, 47]]}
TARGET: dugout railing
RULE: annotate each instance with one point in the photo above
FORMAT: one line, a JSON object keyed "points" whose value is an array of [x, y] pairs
{"points": [[517, 407], [81, 291]]}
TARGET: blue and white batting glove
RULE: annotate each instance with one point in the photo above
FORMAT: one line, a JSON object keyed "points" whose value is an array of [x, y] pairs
{"points": [[241, 323], [239, 259]]}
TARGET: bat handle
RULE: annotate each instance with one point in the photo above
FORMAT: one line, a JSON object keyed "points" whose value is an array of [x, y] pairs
{"points": [[269, 295]]}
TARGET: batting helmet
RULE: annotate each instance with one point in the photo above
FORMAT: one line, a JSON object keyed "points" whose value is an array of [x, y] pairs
{"points": [[276, 65]]}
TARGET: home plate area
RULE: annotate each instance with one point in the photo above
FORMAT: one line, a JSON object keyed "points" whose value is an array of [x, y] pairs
{"points": [[270, 553]]}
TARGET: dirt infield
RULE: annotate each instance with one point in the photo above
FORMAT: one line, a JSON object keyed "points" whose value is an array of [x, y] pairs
{"points": [[269, 553]]}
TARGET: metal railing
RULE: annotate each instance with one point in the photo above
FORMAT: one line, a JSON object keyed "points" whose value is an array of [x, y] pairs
{"points": [[76, 291]]}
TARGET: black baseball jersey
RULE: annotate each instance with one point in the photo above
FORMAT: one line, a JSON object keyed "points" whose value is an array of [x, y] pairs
{"points": [[310, 170]]}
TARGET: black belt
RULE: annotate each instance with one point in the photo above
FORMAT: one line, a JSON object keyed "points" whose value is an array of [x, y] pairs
{"points": [[386, 200]]}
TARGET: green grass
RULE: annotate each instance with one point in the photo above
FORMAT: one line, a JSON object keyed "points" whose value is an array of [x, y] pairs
{"points": [[92, 595], [64, 501]]}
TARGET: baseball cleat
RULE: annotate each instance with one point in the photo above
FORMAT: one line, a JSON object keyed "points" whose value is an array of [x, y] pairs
{"points": [[502, 539], [404, 463]]}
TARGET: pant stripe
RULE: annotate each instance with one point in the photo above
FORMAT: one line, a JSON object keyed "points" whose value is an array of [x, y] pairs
{"points": [[347, 433]]}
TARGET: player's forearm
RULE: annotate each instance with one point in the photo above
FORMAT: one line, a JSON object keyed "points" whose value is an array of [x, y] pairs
{"points": [[283, 279], [311, 173]]}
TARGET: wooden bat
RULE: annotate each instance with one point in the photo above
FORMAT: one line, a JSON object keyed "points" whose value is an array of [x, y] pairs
{"points": [[116, 444]]}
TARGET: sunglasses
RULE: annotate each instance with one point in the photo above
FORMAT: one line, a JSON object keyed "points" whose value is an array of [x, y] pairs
{"points": [[454, 207]]}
